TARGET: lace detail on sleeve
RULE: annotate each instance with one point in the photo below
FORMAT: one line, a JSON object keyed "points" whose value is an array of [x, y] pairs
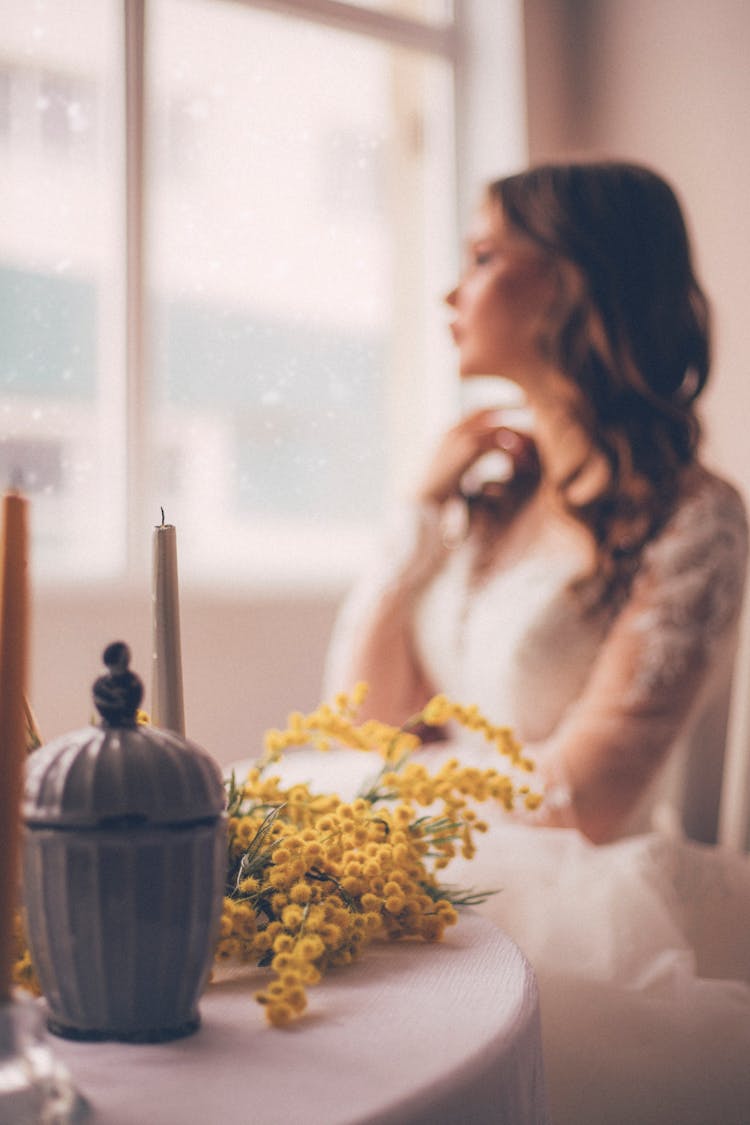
{"points": [[548, 779], [690, 587]]}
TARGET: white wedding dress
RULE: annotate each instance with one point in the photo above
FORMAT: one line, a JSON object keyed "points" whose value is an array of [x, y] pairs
{"points": [[642, 946]]}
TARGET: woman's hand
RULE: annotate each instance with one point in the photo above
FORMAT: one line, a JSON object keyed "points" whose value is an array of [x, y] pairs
{"points": [[463, 445]]}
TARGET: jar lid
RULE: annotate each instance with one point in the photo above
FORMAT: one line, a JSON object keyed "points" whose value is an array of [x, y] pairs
{"points": [[121, 770]]}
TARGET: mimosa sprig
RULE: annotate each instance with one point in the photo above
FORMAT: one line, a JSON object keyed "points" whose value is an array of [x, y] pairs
{"points": [[313, 880]]}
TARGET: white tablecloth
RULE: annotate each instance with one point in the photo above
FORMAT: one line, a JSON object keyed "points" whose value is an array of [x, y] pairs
{"points": [[412, 1034]]}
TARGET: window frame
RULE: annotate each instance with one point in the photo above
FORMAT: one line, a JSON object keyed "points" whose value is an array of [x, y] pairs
{"points": [[486, 144]]}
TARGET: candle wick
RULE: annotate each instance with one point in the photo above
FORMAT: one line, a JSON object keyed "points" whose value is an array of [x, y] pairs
{"points": [[162, 516]]}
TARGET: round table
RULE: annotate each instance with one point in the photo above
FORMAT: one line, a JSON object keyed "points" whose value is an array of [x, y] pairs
{"points": [[412, 1034]]}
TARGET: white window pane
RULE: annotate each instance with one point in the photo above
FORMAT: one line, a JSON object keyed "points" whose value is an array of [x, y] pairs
{"points": [[299, 226], [61, 388]]}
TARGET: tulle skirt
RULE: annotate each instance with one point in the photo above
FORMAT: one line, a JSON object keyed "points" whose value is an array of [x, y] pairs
{"points": [[642, 953]]}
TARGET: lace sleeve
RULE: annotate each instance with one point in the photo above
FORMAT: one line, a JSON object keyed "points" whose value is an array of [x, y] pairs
{"points": [[690, 591], [674, 636]]}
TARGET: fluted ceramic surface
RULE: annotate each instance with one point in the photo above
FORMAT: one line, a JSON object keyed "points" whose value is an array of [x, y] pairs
{"points": [[124, 869], [122, 925], [104, 773]]}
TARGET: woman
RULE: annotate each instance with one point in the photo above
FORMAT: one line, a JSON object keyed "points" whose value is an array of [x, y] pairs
{"points": [[591, 602]]}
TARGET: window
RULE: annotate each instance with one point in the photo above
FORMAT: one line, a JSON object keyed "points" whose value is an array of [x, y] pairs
{"points": [[62, 389], [228, 231]]}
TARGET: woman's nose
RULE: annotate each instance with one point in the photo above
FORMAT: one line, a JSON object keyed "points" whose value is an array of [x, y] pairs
{"points": [[450, 298]]}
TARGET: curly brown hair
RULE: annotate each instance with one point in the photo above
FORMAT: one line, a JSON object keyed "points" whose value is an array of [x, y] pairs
{"points": [[632, 335]]}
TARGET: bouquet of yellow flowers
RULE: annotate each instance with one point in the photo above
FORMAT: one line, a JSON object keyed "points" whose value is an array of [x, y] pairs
{"points": [[312, 879]]}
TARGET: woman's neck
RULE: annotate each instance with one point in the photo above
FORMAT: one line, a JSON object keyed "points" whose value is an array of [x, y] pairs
{"points": [[565, 448]]}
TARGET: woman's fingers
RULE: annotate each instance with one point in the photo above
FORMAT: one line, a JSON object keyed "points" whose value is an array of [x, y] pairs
{"points": [[520, 448], [461, 446], [467, 441]]}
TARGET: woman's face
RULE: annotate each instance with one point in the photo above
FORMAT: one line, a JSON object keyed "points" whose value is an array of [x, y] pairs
{"points": [[502, 302]]}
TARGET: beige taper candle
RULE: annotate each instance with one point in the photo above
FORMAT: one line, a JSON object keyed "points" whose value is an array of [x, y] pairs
{"points": [[14, 628], [167, 705]]}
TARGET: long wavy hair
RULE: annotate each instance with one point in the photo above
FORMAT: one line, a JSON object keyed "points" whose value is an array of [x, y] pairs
{"points": [[631, 333]]}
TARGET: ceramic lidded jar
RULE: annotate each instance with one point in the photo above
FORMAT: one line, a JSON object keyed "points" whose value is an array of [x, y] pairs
{"points": [[124, 860]]}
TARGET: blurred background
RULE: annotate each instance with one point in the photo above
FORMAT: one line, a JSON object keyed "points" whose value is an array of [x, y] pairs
{"points": [[226, 228]]}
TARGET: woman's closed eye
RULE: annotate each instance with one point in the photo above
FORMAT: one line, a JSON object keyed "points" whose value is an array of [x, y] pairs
{"points": [[482, 256], [480, 251]]}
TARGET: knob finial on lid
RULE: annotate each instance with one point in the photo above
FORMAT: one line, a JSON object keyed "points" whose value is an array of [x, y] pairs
{"points": [[117, 696]]}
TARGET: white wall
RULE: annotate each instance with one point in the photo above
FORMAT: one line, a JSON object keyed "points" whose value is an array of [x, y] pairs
{"points": [[247, 662]]}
